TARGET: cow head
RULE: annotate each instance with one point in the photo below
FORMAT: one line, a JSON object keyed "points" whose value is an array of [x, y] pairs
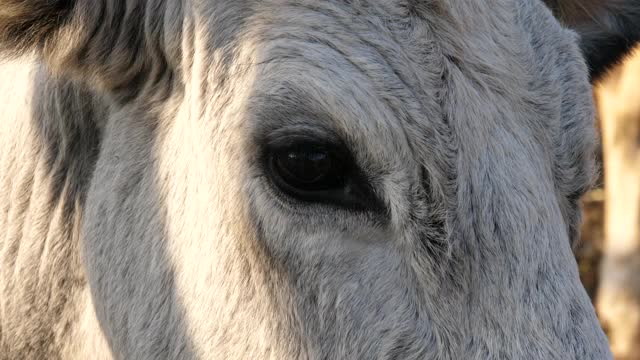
{"points": [[329, 179]]}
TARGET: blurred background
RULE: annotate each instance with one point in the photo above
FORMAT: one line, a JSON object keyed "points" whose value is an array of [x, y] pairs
{"points": [[609, 252]]}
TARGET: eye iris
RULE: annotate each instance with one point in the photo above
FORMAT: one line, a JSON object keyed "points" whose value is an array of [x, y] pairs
{"points": [[305, 167]]}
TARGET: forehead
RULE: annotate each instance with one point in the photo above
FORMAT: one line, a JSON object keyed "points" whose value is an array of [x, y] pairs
{"points": [[362, 69], [401, 71]]}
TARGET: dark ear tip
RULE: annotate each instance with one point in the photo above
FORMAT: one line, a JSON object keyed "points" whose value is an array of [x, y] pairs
{"points": [[606, 55], [609, 29]]}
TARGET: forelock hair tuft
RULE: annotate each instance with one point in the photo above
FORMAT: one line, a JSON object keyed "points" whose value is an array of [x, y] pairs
{"points": [[27, 24]]}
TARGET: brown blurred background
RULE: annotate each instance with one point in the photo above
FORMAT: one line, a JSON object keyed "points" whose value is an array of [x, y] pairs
{"points": [[609, 253]]}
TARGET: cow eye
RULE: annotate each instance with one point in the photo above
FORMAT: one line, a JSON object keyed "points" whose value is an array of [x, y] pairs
{"points": [[305, 168], [311, 172]]}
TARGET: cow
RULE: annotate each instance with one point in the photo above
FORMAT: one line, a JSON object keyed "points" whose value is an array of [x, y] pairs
{"points": [[293, 179]]}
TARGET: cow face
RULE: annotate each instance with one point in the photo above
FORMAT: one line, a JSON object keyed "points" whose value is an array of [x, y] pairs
{"points": [[305, 179]]}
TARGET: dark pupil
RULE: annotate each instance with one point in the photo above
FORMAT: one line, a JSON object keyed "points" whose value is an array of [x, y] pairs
{"points": [[305, 167]]}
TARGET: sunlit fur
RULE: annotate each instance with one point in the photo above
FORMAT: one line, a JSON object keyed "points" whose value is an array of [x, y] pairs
{"points": [[138, 222]]}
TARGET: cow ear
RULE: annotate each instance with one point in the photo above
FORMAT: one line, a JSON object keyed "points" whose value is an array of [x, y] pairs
{"points": [[608, 29], [112, 45]]}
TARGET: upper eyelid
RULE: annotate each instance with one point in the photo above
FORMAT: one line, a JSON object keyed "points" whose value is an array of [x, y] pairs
{"points": [[296, 140], [290, 140], [293, 134]]}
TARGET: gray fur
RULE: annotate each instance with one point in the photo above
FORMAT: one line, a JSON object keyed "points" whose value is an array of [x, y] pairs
{"points": [[136, 220]]}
